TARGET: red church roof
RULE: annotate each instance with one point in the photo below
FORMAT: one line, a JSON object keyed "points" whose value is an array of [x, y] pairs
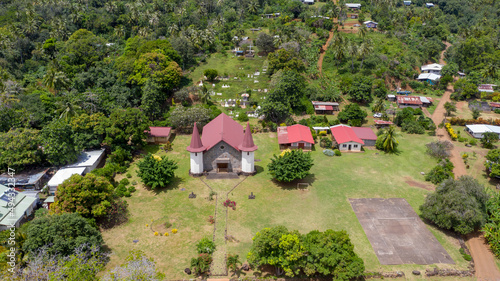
{"points": [[295, 133], [344, 133], [247, 144], [159, 131], [196, 144], [222, 128], [364, 133]]}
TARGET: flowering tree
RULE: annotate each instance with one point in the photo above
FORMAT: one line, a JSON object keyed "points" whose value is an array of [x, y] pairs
{"points": [[155, 171]]}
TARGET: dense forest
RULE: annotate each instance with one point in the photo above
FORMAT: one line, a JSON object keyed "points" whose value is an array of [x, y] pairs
{"points": [[85, 74]]}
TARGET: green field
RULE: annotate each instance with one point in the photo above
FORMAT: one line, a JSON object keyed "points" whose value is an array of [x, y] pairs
{"points": [[322, 205]]}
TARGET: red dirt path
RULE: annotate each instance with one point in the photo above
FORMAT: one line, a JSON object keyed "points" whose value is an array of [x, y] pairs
{"points": [[484, 261]]}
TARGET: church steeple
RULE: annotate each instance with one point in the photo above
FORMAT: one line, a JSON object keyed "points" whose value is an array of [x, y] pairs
{"points": [[196, 144], [247, 144]]}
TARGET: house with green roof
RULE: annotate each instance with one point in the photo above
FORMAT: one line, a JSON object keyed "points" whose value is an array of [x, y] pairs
{"points": [[16, 213]]}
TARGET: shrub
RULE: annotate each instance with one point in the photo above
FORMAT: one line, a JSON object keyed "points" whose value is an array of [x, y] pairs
{"points": [[441, 172], [205, 246], [129, 175], [439, 149], [472, 141], [156, 172], [451, 132], [230, 204], [201, 264], [290, 165], [462, 139], [124, 181], [337, 152], [497, 110], [211, 74], [464, 255], [131, 189], [325, 142], [322, 133], [243, 117]]}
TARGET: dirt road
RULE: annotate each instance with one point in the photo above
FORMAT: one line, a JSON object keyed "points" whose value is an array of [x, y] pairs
{"points": [[323, 52], [484, 261]]}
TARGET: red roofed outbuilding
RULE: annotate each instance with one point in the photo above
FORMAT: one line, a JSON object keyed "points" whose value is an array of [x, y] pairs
{"points": [[159, 134], [345, 138], [223, 148], [296, 136], [365, 134]]}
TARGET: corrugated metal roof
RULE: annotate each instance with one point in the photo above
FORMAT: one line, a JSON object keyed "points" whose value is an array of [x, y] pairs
{"points": [[64, 174], [159, 131], [344, 133], [364, 133], [409, 100], [21, 201], [87, 158], [295, 133], [382, 122]]}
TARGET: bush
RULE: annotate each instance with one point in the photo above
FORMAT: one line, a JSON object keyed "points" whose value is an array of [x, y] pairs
{"points": [[322, 133], [441, 172], [439, 149], [201, 264], [497, 110], [243, 117], [337, 152], [131, 189], [472, 141], [211, 74], [129, 175], [205, 246], [124, 181], [325, 142], [464, 255], [290, 165], [156, 172]]}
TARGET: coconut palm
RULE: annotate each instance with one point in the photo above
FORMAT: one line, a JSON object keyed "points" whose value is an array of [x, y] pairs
{"points": [[378, 106], [491, 70], [253, 6], [56, 80], [362, 31], [352, 50], [389, 141], [365, 49], [120, 31], [67, 109]]}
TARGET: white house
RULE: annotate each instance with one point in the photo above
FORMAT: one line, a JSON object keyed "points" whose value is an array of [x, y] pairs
{"points": [[88, 160], [23, 206], [429, 5], [62, 175], [478, 130], [308, 2], [432, 68], [345, 138], [353, 6]]}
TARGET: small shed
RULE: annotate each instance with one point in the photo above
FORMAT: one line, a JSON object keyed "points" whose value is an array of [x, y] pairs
{"points": [[382, 123], [477, 130], [49, 201], [494, 105], [431, 78], [391, 97], [294, 137], [461, 74], [345, 138], [370, 24], [429, 5], [322, 107], [486, 88], [27, 180], [159, 134], [407, 3], [408, 101]]}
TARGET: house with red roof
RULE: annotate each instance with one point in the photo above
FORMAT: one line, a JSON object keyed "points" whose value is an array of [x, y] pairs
{"points": [[365, 134], [345, 138], [224, 147], [159, 134], [321, 107], [294, 137]]}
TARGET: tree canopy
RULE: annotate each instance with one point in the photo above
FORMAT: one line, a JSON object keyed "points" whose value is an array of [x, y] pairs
{"points": [[290, 165], [458, 205]]}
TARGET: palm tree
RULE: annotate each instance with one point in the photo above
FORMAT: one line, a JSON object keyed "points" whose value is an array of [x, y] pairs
{"points": [[378, 106], [68, 109], [56, 80], [389, 141], [491, 70], [253, 6], [120, 31], [352, 49], [365, 49], [362, 32]]}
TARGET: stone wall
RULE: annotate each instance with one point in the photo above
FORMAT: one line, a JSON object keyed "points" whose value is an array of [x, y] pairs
{"points": [[226, 152]]}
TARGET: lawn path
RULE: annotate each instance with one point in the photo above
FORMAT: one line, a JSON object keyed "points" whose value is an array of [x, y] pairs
{"points": [[223, 188], [484, 260]]}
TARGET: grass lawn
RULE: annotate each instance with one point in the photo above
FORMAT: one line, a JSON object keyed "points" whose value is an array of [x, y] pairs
{"points": [[323, 205]]}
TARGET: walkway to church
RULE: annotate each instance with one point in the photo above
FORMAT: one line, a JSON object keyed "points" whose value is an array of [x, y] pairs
{"points": [[223, 186]]}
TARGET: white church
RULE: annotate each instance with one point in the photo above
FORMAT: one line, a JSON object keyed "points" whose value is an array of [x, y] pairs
{"points": [[223, 148]]}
